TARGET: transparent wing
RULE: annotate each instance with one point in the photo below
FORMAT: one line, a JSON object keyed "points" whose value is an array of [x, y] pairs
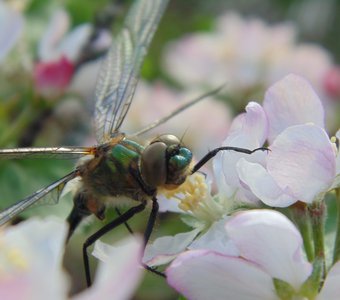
{"points": [[119, 73], [174, 113], [18, 207], [46, 152]]}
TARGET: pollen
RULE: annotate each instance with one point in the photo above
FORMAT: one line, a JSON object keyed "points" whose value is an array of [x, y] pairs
{"points": [[190, 193]]}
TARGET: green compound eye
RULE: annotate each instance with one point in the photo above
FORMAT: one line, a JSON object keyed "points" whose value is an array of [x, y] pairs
{"points": [[181, 160]]}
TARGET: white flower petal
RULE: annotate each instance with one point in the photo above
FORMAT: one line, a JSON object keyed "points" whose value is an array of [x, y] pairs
{"points": [[73, 42], [117, 277], [202, 274], [11, 25], [331, 286], [28, 252], [249, 130], [168, 205], [48, 47], [166, 248], [302, 158], [216, 239], [292, 101], [263, 185], [270, 240]]}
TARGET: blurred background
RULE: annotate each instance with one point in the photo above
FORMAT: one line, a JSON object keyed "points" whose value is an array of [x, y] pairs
{"points": [[50, 55]]}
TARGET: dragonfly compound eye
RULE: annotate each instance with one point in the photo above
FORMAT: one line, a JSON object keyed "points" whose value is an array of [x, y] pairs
{"points": [[153, 164], [178, 163], [167, 139]]}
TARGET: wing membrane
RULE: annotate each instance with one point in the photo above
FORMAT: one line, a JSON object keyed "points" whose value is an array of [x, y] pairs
{"points": [[18, 207], [177, 111], [119, 73], [48, 152]]}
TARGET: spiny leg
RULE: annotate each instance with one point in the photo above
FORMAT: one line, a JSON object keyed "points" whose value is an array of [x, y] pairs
{"points": [[213, 153], [148, 231], [108, 227], [125, 223]]}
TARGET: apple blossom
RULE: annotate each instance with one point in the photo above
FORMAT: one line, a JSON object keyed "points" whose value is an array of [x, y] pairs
{"points": [[270, 265], [248, 53], [31, 264], [59, 52], [301, 165]]}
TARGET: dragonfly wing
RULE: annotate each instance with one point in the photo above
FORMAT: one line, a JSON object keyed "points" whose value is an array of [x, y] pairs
{"points": [[119, 73], [18, 207], [174, 113], [47, 152]]}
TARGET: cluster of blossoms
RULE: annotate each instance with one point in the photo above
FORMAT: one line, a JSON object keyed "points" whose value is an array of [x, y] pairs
{"points": [[250, 55], [239, 248], [59, 51]]}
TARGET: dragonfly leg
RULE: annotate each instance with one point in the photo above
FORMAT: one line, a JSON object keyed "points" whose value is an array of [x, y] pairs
{"points": [[128, 227], [108, 227], [213, 153], [148, 231]]}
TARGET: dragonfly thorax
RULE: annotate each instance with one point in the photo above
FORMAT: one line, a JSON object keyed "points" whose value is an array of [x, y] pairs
{"points": [[123, 167], [165, 162]]}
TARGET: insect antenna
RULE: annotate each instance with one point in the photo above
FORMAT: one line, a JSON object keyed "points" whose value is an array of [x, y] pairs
{"points": [[178, 110], [183, 135]]}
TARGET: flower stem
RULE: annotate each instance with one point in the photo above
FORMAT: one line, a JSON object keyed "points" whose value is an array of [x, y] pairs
{"points": [[336, 253], [301, 218], [317, 214]]}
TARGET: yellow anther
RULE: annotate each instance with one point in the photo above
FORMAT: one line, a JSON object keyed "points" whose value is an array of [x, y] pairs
{"points": [[190, 193]]}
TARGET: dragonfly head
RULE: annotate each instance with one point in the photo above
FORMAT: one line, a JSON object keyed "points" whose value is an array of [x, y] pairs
{"points": [[165, 162]]}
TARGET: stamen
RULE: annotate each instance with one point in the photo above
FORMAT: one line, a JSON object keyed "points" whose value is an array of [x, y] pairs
{"points": [[190, 193]]}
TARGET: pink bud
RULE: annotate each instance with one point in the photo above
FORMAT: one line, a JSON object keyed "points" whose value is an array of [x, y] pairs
{"points": [[52, 78]]}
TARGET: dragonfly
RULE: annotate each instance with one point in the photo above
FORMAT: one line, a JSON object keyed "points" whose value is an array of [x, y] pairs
{"points": [[119, 168]]}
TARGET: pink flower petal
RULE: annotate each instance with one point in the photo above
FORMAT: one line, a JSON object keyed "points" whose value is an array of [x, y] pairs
{"points": [[52, 78], [270, 240], [203, 274], [292, 101], [302, 158], [332, 82]]}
